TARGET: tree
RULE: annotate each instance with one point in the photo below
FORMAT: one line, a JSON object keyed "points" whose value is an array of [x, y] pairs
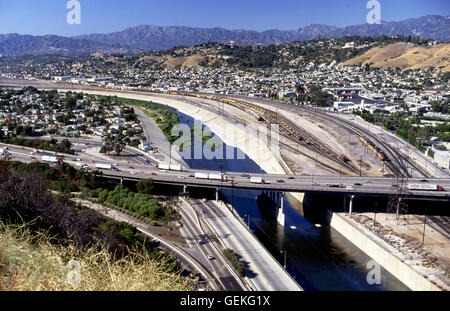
{"points": [[145, 186], [113, 143]]}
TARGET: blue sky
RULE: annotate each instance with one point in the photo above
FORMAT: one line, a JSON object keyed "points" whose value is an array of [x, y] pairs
{"points": [[39, 17]]}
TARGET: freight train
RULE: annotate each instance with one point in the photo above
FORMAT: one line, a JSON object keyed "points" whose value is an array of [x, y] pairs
{"points": [[378, 152]]}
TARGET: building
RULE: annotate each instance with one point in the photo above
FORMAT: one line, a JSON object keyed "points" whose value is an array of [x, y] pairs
{"points": [[345, 106], [62, 78], [442, 158]]}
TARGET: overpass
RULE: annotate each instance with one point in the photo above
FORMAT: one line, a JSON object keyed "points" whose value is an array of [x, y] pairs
{"points": [[288, 183]]}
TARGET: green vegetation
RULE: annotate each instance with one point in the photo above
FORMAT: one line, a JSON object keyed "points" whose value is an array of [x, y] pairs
{"points": [[318, 97], [113, 143], [30, 214], [249, 57], [142, 205], [63, 178], [65, 146], [233, 258], [164, 116], [407, 127]]}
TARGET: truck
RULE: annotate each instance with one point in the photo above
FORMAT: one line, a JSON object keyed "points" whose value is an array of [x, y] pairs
{"points": [[201, 175], [170, 167], [256, 180], [102, 166], [425, 187], [3, 151], [218, 176], [50, 159], [163, 166], [176, 167]]}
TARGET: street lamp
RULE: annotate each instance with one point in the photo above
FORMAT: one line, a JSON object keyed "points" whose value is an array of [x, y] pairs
{"points": [[285, 252], [248, 220]]}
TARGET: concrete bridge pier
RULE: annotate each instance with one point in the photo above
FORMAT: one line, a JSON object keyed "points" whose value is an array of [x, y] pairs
{"points": [[185, 188], [352, 197], [217, 195], [281, 217]]}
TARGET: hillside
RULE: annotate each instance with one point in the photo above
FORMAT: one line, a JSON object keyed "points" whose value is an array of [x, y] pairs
{"points": [[406, 56], [36, 263], [18, 45], [152, 38], [184, 57]]}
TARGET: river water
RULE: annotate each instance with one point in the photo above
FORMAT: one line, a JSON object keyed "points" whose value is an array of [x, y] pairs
{"points": [[318, 258]]}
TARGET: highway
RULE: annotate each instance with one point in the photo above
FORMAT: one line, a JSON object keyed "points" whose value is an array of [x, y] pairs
{"points": [[263, 271], [280, 183], [201, 246]]}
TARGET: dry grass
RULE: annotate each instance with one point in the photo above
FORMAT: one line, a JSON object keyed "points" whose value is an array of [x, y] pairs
{"points": [[406, 56], [33, 263]]}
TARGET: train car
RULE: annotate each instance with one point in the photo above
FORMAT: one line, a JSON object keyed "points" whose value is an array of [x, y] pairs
{"points": [[377, 152]]}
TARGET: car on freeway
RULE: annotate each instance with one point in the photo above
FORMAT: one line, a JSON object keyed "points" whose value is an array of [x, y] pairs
{"points": [[423, 180], [396, 186], [181, 177], [147, 161], [291, 178], [245, 175], [200, 242], [280, 181], [334, 186], [133, 173], [191, 176], [358, 184], [211, 257], [316, 184], [154, 174], [131, 167]]}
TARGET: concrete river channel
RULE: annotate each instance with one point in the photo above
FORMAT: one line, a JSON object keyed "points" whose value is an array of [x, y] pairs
{"points": [[318, 257]]}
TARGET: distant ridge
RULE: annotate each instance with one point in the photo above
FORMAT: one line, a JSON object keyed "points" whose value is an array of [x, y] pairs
{"points": [[148, 37]]}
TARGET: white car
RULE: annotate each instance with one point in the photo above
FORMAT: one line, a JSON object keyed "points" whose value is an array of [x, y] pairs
{"points": [[211, 257]]}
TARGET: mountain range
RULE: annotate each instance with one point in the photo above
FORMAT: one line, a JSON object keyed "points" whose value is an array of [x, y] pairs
{"points": [[149, 37]]}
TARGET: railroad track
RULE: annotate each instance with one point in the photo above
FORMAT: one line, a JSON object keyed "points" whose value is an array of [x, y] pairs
{"points": [[218, 111], [441, 224], [398, 164], [292, 132]]}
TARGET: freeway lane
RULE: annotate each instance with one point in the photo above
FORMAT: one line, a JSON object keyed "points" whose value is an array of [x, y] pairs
{"points": [[263, 271], [283, 183], [194, 232]]}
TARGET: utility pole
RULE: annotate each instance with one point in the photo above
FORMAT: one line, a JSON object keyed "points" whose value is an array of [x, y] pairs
{"points": [[424, 227], [232, 194], [360, 167]]}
